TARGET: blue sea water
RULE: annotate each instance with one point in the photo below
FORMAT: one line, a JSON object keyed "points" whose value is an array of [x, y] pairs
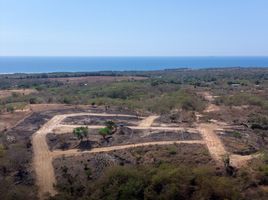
{"points": [[91, 64]]}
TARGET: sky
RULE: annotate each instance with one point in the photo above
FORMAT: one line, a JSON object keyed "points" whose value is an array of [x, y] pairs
{"points": [[133, 28]]}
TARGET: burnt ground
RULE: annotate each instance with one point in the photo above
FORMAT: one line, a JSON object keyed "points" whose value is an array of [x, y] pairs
{"points": [[236, 115], [122, 136], [240, 138], [89, 167], [15, 165], [176, 119], [100, 120], [16, 172], [243, 141]]}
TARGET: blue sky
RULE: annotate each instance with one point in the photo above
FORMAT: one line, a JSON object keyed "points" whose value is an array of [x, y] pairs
{"points": [[133, 28]]}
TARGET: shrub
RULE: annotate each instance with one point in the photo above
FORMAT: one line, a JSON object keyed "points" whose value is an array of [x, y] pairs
{"points": [[2, 151], [33, 100], [236, 134], [81, 132], [10, 108], [104, 132]]}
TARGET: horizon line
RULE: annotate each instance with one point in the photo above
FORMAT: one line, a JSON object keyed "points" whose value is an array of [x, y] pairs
{"points": [[134, 56]]}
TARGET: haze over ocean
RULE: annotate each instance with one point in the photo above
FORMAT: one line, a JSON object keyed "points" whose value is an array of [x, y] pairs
{"points": [[90, 64]]}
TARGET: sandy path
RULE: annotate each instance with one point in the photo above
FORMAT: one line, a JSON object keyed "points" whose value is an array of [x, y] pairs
{"points": [[213, 142], [42, 160], [73, 152], [63, 128], [207, 131], [212, 108], [147, 122], [99, 114], [240, 161]]}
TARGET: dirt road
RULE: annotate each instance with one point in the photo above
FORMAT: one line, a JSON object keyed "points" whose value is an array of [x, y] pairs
{"points": [[43, 158], [147, 122], [213, 142], [74, 152], [63, 128]]}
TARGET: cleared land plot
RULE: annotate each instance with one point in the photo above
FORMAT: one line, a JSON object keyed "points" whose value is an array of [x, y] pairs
{"points": [[8, 120], [8, 93], [123, 136], [241, 141], [100, 120], [177, 154]]}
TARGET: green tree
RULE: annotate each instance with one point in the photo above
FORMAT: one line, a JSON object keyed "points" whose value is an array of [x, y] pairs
{"points": [[104, 132], [81, 132], [111, 126]]}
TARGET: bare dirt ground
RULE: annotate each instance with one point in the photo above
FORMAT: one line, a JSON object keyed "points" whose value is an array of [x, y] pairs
{"points": [[43, 157], [9, 120], [147, 122], [74, 152], [61, 129], [212, 108], [7, 93], [213, 141], [42, 160]]}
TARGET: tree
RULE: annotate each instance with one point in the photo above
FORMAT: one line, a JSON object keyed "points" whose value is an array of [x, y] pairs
{"points": [[104, 132], [111, 126], [81, 132]]}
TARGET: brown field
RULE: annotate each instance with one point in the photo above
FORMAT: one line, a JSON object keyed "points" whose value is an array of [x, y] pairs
{"points": [[9, 120], [7, 93]]}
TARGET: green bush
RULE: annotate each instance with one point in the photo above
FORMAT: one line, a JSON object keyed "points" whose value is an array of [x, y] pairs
{"points": [[157, 183], [81, 132]]}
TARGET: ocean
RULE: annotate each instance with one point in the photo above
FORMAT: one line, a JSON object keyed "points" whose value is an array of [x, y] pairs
{"points": [[91, 64]]}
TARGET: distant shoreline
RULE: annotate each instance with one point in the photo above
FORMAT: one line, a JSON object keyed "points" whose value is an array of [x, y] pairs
{"points": [[120, 73], [96, 64]]}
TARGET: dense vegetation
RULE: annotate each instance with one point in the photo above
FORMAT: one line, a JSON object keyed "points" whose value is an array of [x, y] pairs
{"points": [[166, 181], [142, 95], [161, 92]]}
